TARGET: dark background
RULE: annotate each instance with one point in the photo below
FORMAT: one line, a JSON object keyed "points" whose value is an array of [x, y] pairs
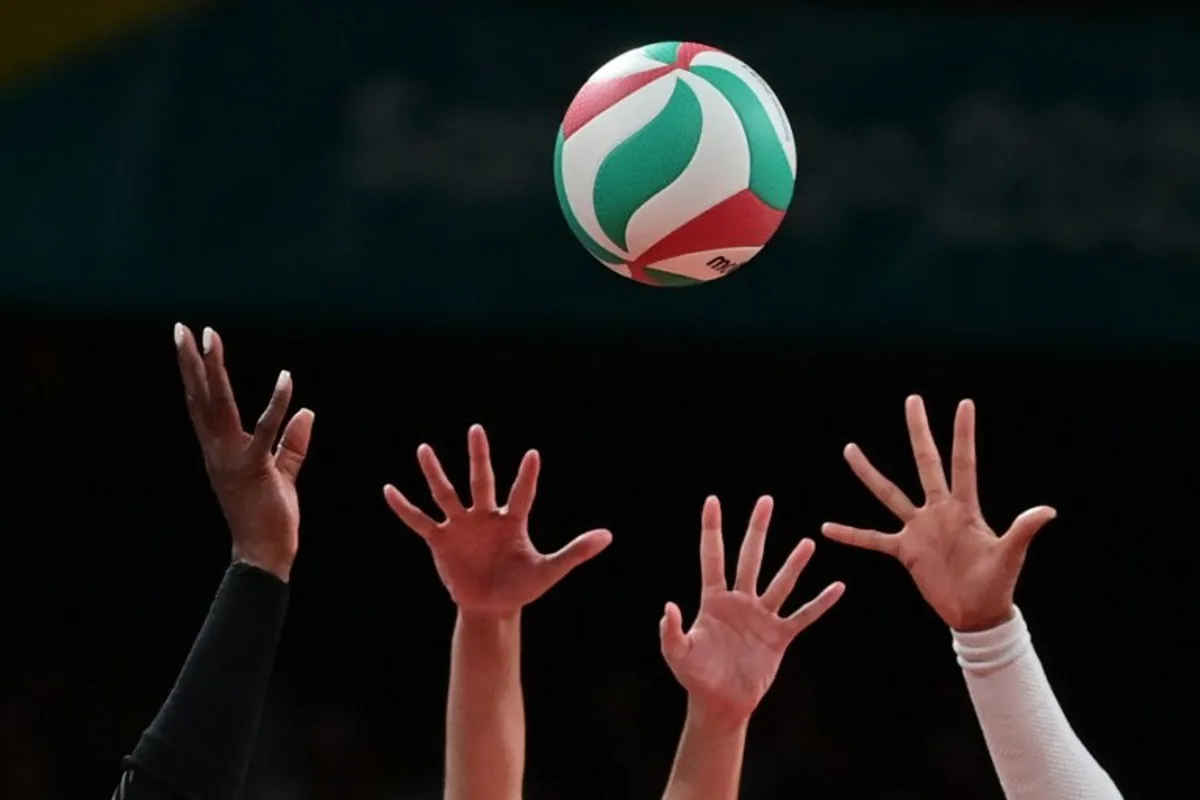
{"points": [[114, 544]]}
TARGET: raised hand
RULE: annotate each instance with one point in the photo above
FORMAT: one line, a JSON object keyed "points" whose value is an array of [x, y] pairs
{"points": [[964, 570], [483, 552], [729, 658], [254, 480]]}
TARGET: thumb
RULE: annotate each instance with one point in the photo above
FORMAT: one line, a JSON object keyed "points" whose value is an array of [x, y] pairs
{"points": [[670, 632], [1020, 534], [582, 548]]}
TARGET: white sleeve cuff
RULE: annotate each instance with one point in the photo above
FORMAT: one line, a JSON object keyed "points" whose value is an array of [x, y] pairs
{"points": [[984, 652], [1036, 753]]}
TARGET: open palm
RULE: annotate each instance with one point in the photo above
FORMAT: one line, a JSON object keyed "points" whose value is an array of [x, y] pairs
{"points": [[964, 570], [730, 656], [483, 552]]}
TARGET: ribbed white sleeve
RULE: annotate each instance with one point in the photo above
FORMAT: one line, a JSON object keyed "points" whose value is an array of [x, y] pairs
{"points": [[1036, 753]]}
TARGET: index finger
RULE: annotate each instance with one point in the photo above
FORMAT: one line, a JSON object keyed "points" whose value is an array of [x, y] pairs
{"points": [[712, 547], [929, 461], [191, 370]]}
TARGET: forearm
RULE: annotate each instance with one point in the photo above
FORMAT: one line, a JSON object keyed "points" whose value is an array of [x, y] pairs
{"points": [[485, 711], [199, 744], [708, 764], [1035, 751]]}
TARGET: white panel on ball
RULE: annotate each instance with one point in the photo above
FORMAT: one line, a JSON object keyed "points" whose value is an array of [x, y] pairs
{"points": [[585, 151], [700, 186]]}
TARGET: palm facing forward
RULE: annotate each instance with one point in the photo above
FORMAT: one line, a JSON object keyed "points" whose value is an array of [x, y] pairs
{"points": [[729, 658], [483, 553], [963, 569]]}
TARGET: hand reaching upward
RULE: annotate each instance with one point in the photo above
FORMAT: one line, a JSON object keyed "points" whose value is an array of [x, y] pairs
{"points": [[483, 552], [729, 658], [254, 479], [963, 569]]}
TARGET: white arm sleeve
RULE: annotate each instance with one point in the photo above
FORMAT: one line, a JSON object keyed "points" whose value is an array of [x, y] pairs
{"points": [[1036, 753]]}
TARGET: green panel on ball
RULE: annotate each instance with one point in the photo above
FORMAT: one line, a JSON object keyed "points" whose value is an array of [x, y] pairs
{"points": [[662, 51], [771, 178], [588, 242], [647, 162], [670, 278]]}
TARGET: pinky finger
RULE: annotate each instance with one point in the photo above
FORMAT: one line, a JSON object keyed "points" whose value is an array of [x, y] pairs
{"points": [[814, 609], [860, 537], [416, 519]]}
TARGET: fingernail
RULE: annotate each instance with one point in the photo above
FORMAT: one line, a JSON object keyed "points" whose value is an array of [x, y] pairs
{"points": [[206, 340], [178, 333], [284, 377]]}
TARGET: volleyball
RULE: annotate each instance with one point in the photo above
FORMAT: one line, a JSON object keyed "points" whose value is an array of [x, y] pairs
{"points": [[674, 164]]}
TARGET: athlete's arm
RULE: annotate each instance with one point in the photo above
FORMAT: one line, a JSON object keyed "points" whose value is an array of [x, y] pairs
{"points": [[199, 745], [485, 709], [1035, 750], [708, 762], [730, 656], [491, 569], [968, 575]]}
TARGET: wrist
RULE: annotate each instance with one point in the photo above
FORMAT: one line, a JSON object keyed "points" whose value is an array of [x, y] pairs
{"points": [[474, 620], [985, 619], [714, 719], [278, 565], [985, 651]]}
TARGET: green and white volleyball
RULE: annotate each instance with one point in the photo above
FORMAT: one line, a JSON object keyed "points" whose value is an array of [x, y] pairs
{"points": [[675, 164]]}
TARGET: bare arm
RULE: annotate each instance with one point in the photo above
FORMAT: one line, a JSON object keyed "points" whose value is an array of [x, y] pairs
{"points": [[1033, 747], [708, 763], [485, 711]]}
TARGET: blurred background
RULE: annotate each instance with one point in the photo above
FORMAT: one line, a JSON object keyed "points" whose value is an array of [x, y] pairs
{"points": [[1003, 205]]}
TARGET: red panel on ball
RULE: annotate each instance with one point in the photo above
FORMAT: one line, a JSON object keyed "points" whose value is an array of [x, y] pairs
{"points": [[688, 51], [738, 221], [594, 98]]}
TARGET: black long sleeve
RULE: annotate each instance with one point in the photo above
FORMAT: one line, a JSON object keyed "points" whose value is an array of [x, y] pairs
{"points": [[199, 745]]}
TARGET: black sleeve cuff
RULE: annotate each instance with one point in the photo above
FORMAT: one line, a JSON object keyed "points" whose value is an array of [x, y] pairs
{"points": [[200, 743]]}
